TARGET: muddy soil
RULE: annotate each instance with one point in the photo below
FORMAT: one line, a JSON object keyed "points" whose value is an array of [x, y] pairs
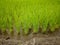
{"points": [[30, 39]]}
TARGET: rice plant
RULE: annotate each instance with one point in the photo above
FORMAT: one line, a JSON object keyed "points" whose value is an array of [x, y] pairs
{"points": [[27, 14]]}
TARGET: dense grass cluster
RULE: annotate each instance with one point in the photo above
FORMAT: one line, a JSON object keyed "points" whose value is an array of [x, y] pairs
{"points": [[25, 14]]}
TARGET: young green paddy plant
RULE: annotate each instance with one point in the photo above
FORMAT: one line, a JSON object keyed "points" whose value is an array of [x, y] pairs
{"points": [[26, 14]]}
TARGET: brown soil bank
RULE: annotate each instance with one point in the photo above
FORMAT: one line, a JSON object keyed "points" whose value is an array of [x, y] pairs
{"points": [[31, 39]]}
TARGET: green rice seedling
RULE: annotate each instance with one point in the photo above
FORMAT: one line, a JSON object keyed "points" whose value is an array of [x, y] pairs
{"points": [[25, 20], [54, 12], [27, 14], [2, 19]]}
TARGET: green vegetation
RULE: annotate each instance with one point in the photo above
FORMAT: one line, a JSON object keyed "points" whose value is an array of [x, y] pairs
{"points": [[25, 14]]}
